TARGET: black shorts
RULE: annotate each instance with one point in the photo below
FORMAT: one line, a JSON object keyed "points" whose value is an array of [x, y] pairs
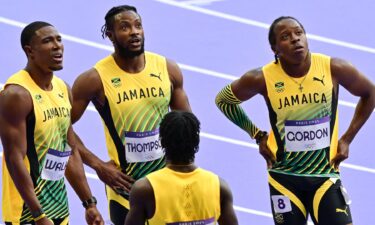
{"points": [[293, 198], [117, 212]]}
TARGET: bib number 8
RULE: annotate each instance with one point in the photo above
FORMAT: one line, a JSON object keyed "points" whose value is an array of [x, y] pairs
{"points": [[281, 204]]}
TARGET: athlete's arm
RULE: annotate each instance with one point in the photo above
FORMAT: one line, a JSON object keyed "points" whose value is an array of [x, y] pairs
{"points": [[346, 75], [227, 216], [75, 174], [88, 87], [179, 99], [142, 203], [229, 99], [15, 105]]}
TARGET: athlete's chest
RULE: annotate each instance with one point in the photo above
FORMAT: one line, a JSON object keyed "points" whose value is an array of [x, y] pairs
{"points": [[149, 87], [51, 109]]}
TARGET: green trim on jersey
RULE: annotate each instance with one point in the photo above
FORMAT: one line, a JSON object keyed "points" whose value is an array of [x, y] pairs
{"points": [[302, 119], [46, 129]]}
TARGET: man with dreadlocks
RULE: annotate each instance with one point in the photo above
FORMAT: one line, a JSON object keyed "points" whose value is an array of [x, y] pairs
{"points": [[302, 151], [132, 91], [181, 193]]}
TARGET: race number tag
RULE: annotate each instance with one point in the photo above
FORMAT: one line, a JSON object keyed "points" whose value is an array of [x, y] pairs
{"points": [[55, 164], [307, 135], [210, 221], [143, 146], [281, 204]]}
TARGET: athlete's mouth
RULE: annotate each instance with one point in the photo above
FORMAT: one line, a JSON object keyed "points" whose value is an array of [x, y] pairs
{"points": [[57, 57], [135, 40]]}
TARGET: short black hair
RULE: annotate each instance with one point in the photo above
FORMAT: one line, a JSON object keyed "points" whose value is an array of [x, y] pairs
{"points": [[179, 136], [271, 31], [111, 13], [29, 31]]}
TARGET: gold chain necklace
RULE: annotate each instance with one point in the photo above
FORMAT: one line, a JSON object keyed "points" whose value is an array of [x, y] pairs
{"points": [[299, 84]]}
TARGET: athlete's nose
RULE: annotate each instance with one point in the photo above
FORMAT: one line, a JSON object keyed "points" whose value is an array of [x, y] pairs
{"points": [[295, 38]]}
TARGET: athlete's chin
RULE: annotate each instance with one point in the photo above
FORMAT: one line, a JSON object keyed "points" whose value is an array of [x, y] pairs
{"points": [[56, 68], [132, 53]]}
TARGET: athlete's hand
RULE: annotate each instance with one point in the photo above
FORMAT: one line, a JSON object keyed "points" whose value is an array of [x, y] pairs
{"points": [[342, 153], [113, 177], [93, 216], [44, 221], [266, 152]]}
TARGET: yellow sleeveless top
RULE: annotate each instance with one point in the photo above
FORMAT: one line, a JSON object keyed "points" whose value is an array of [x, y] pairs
{"points": [[303, 116], [185, 198], [135, 105], [47, 151]]}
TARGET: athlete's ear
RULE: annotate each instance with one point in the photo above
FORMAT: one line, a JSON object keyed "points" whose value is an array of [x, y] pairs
{"points": [[109, 35], [276, 54], [274, 49], [28, 50]]}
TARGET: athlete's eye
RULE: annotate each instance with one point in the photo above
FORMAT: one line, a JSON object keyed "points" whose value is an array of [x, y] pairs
{"points": [[138, 26], [284, 37]]}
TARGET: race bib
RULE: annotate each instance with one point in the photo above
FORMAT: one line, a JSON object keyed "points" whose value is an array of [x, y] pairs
{"points": [[307, 135], [210, 221], [143, 146], [55, 164], [281, 204]]}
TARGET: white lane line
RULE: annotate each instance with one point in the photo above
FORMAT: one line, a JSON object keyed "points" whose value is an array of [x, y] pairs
{"points": [[264, 25], [200, 2], [110, 48]]}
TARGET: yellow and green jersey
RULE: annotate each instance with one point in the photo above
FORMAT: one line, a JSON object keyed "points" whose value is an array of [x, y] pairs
{"points": [[47, 151], [134, 107], [191, 198], [303, 116]]}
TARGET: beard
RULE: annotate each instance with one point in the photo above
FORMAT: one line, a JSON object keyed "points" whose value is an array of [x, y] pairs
{"points": [[125, 52]]}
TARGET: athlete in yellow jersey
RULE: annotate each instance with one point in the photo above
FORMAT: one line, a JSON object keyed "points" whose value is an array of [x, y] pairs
{"points": [[38, 139], [302, 151], [181, 193], [132, 90]]}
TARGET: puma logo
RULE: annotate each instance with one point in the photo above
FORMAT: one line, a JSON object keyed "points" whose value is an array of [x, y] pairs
{"points": [[343, 210], [154, 75], [321, 80]]}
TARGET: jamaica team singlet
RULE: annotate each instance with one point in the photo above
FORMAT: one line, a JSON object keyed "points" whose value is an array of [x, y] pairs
{"points": [[134, 107], [303, 116], [191, 198], [47, 151]]}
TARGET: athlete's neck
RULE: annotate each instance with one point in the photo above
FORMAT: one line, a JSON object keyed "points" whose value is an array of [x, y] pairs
{"points": [[183, 168], [298, 69], [42, 78], [130, 64]]}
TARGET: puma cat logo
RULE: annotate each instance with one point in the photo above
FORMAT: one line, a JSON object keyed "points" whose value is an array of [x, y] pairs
{"points": [[154, 75], [320, 80], [343, 210]]}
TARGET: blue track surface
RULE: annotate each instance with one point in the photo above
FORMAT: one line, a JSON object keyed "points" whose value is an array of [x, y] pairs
{"points": [[213, 43]]}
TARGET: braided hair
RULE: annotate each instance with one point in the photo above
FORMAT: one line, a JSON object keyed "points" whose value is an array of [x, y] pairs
{"points": [[179, 136], [109, 17]]}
